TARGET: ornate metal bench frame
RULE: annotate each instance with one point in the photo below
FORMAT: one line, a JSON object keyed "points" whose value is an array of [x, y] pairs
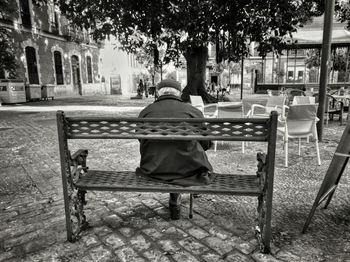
{"points": [[77, 179]]}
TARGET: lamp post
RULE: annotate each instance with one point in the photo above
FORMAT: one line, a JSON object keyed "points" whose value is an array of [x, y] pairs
{"points": [[326, 49]]}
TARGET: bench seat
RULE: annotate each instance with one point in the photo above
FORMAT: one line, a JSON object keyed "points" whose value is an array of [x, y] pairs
{"points": [[224, 184]]}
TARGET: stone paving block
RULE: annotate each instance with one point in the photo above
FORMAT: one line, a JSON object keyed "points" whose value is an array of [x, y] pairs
{"points": [[183, 256], [127, 254], [246, 247], [287, 256], [137, 222], [169, 246], [162, 211], [198, 232], [193, 245], [211, 257], [126, 231], [114, 240], [183, 223], [218, 232], [152, 233], [5, 256], [159, 223], [174, 233], [140, 243], [90, 240], [236, 256], [113, 221], [38, 244], [219, 245], [20, 239], [259, 257], [100, 231], [151, 203], [124, 211], [200, 220], [100, 254], [156, 255]]}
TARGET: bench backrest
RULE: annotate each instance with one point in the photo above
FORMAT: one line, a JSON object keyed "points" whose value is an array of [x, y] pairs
{"points": [[229, 129]]}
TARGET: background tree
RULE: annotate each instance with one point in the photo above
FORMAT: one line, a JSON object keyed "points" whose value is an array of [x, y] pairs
{"points": [[188, 27], [8, 9], [342, 10]]}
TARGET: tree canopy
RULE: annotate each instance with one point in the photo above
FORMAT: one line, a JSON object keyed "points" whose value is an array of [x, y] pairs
{"points": [[180, 25], [7, 52]]}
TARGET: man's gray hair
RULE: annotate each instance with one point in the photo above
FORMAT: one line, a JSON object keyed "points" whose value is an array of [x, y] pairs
{"points": [[169, 91]]}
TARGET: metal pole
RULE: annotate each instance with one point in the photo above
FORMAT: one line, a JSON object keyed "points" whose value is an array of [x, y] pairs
{"points": [[242, 70], [326, 49], [333, 62], [346, 78], [295, 67], [272, 67]]}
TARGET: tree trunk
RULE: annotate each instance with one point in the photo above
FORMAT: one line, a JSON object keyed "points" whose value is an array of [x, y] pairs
{"points": [[196, 59]]}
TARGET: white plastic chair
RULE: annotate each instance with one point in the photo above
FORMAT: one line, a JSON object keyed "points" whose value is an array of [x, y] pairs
{"points": [[230, 110], [197, 102], [273, 103], [303, 100], [300, 123]]}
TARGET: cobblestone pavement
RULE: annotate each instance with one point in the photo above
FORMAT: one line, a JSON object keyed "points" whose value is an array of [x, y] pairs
{"points": [[136, 227]]}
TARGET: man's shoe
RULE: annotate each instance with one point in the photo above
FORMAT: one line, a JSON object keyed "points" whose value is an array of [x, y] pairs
{"points": [[175, 212]]}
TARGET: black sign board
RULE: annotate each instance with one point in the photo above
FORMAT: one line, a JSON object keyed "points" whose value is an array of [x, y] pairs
{"points": [[333, 175]]}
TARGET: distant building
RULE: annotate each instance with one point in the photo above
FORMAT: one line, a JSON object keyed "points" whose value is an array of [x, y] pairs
{"points": [[299, 64], [121, 71], [297, 67], [50, 51]]}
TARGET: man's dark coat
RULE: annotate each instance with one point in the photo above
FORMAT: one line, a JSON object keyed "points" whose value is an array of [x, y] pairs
{"points": [[178, 162]]}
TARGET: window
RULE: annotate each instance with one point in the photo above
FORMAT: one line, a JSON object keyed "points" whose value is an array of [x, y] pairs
{"points": [[291, 75], [58, 68], [300, 75], [2, 73], [25, 13], [89, 69], [54, 19], [32, 65]]}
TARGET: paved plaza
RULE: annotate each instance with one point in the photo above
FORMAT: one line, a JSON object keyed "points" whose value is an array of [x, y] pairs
{"points": [[137, 227]]}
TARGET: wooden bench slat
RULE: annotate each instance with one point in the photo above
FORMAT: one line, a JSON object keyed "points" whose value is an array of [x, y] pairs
{"points": [[128, 181]]}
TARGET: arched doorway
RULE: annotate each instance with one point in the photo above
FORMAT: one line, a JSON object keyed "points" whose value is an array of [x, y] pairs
{"points": [[32, 66], [76, 74]]}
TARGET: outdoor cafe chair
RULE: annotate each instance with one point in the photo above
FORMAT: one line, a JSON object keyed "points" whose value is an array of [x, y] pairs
{"points": [[300, 123], [302, 100], [274, 103], [197, 102], [333, 107], [290, 93], [229, 110]]}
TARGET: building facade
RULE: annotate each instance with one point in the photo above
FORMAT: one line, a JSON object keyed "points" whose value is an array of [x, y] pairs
{"points": [[298, 65], [51, 52]]}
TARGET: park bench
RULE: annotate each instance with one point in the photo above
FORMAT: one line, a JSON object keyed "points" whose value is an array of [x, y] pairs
{"points": [[77, 178]]}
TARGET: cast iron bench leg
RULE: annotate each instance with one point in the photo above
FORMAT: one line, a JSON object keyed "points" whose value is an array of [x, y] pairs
{"points": [[191, 206], [263, 229]]}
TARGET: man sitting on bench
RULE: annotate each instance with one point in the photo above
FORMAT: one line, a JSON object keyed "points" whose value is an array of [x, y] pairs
{"points": [[177, 162]]}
